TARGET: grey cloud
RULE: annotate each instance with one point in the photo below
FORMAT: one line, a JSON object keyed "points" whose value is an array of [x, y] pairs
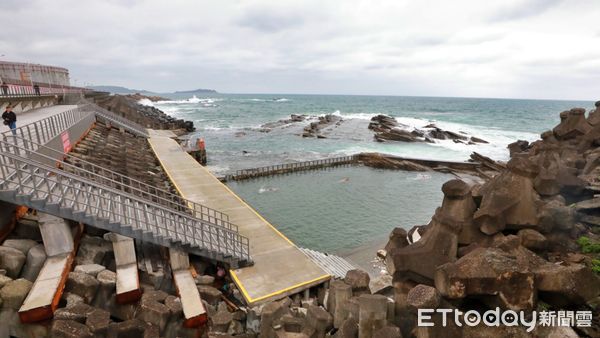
{"points": [[337, 46], [270, 21], [523, 10], [14, 5]]}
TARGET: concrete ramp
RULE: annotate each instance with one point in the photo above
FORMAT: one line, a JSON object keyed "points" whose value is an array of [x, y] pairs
{"points": [[280, 268]]}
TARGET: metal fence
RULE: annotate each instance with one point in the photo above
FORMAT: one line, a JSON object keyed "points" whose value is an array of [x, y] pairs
{"points": [[99, 174], [291, 167], [111, 117], [44, 130], [21, 90]]}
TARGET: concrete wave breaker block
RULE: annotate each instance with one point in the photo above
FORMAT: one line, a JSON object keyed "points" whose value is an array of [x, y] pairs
{"points": [[194, 311], [59, 243], [128, 284]]}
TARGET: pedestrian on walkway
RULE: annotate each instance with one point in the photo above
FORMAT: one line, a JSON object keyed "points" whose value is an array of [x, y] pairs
{"points": [[10, 119]]}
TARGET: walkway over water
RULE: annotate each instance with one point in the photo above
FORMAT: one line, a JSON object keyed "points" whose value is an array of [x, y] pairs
{"points": [[280, 268]]}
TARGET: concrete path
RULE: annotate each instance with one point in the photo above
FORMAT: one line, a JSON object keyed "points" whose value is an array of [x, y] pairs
{"points": [[280, 268], [40, 113]]}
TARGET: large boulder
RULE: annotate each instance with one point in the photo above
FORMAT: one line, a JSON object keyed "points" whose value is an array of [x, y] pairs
{"points": [[78, 312], [69, 329], [90, 269], [488, 272], [397, 239], [107, 281], [14, 292], [318, 322], [424, 297], [12, 261], [132, 328], [439, 244], [210, 294], [92, 250], [36, 256], [566, 285], [83, 285], [22, 245], [359, 281], [373, 314], [98, 321], [349, 329], [388, 332], [518, 147], [339, 293], [554, 215], [532, 239], [572, 124], [271, 316], [154, 313], [509, 200]]}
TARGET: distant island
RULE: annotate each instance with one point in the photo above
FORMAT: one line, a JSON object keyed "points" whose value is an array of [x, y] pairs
{"points": [[124, 90], [196, 91]]}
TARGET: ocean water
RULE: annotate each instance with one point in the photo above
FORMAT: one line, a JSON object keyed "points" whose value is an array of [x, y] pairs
{"points": [[339, 209], [229, 123]]}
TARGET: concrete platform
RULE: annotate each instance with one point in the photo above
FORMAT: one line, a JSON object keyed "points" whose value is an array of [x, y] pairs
{"points": [[280, 268], [161, 133]]}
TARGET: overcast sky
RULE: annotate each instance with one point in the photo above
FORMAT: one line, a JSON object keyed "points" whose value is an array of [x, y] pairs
{"points": [[470, 48]]}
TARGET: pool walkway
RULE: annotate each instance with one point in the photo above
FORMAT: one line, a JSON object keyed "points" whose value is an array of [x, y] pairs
{"points": [[280, 268]]}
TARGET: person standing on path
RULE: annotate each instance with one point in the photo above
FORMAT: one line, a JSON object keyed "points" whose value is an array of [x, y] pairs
{"points": [[10, 119]]}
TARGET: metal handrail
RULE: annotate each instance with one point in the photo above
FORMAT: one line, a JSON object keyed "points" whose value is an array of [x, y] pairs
{"points": [[112, 117], [146, 215], [46, 129], [105, 176], [289, 167]]}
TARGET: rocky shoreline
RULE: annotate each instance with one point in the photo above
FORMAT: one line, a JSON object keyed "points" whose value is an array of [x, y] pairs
{"points": [[149, 117], [527, 239]]}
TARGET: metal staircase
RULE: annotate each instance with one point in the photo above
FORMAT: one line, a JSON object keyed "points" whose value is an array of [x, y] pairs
{"points": [[75, 165], [63, 185], [332, 264]]}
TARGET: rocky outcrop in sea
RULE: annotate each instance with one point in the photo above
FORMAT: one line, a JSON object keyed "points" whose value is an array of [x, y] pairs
{"points": [[386, 128]]}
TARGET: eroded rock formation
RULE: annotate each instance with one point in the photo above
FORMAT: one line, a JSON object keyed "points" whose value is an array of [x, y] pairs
{"points": [[513, 242], [386, 128]]}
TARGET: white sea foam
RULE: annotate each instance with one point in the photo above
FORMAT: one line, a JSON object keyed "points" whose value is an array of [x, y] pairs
{"points": [[194, 99], [277, 99], [267, 189], [216, 169], [146, 102]]}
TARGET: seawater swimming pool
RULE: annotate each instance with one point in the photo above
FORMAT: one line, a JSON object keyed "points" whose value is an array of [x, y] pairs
{"points": [[341, 208]]}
